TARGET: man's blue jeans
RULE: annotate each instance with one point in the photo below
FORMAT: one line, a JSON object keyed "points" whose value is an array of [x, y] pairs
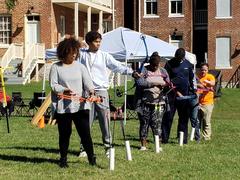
{"points": [[193, 115]]}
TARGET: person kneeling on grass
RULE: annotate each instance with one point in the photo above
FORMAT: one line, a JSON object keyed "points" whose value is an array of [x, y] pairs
{"points": [[70, 78], [150, 99]]}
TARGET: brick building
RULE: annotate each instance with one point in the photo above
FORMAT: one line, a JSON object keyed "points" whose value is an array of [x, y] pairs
{"points": [[209, 29], [47, 21], [24, 23]]}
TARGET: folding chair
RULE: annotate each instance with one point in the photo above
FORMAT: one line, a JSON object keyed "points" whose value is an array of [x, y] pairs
{"points": [[36, 102], [38, 98], [130, 106], [218, 85], [19, 106]]}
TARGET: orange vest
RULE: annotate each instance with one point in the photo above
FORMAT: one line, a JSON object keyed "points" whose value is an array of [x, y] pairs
{"points": [[206, 97]]}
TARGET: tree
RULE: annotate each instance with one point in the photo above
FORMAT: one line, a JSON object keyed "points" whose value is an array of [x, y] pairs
{"points": [[10, 4]]}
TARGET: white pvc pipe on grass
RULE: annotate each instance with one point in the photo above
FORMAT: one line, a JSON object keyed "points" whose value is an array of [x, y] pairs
{"points": [[128, 151], [157, 146], [112, 159], [181, 138], [192, 134]]}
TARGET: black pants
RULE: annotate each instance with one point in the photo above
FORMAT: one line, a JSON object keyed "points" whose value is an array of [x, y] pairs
{"points": [[183, 114], [168, 119], [81, 121]]}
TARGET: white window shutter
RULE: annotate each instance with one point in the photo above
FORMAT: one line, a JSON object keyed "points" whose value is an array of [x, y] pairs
{"points": [[223, 52]]}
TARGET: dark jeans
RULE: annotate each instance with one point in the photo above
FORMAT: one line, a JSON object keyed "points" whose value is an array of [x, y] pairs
{"points": [[183, 114], [193, 104], [168, 119], [81, 121]]}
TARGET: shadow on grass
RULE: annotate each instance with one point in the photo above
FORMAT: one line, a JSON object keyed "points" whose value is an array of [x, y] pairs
{"points": [[47, 150], [27, 159], [33, 160]]}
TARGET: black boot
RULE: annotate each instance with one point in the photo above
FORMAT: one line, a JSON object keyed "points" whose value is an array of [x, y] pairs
{"points": [[92, 160], [63, 163]]}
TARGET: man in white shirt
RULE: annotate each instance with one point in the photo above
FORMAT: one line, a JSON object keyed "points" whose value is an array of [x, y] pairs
{"points": [[97, 63]]}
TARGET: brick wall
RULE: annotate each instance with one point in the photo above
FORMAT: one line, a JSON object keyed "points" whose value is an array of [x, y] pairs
{"points": [[119, 13], [40, 7], [163, 26], [223, 27], [49, 20]]}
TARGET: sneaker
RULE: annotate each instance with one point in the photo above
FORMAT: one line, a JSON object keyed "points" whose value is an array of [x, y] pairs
{"points": [[82, 154], [107, 153], [143, 145], [143, 148], [207, 138], [160, 149]]}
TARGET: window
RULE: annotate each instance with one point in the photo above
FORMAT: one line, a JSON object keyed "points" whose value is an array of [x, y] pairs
{"points": [[223, 8], [62, 26], [5, 29], [223, 52], [176, 40], [33, 18], [151, 7], [175, 7], [107, 26]]}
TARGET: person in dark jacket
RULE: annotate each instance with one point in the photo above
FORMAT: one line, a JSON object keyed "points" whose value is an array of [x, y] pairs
{"points": [[181, 75]]}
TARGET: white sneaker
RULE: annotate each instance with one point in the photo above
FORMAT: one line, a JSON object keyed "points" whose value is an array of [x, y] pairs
{"points": [[107, 153], [160, 149], [143, 148], [82, 154]]}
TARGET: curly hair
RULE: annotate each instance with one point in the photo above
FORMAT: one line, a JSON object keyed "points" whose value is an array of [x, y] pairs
{"points": [[66, 46]]}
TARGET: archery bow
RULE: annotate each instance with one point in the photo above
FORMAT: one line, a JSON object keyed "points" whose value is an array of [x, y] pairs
{"points": [[80, 98]]}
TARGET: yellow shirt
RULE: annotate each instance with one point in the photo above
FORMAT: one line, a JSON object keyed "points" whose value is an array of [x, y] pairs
{"points": [[206, 97]]}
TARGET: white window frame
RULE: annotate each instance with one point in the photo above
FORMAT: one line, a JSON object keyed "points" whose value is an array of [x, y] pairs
{"points": [[107, 25], [177, 43], [218, 8], [145, 9], [177, 14], [5, 30], [223, 53], [62, 26]]}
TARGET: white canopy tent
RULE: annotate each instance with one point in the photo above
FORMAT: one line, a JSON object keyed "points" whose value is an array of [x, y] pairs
{"points": [[127, 45]]}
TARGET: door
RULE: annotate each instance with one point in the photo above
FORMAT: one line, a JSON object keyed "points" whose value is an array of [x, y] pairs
{"points": [[33, 31]]}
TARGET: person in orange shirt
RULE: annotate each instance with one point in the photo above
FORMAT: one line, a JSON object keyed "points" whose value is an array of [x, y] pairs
{"points": [[206, 100]]}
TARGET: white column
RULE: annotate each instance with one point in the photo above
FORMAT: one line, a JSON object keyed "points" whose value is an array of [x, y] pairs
{"points": [[25, 39], [100, 28], [89, 14], [113, 14], [37, 73], [139, 15], [76, 20]]}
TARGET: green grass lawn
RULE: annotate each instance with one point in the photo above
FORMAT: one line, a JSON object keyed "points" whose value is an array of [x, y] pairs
{"points": [[31, 153]]}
